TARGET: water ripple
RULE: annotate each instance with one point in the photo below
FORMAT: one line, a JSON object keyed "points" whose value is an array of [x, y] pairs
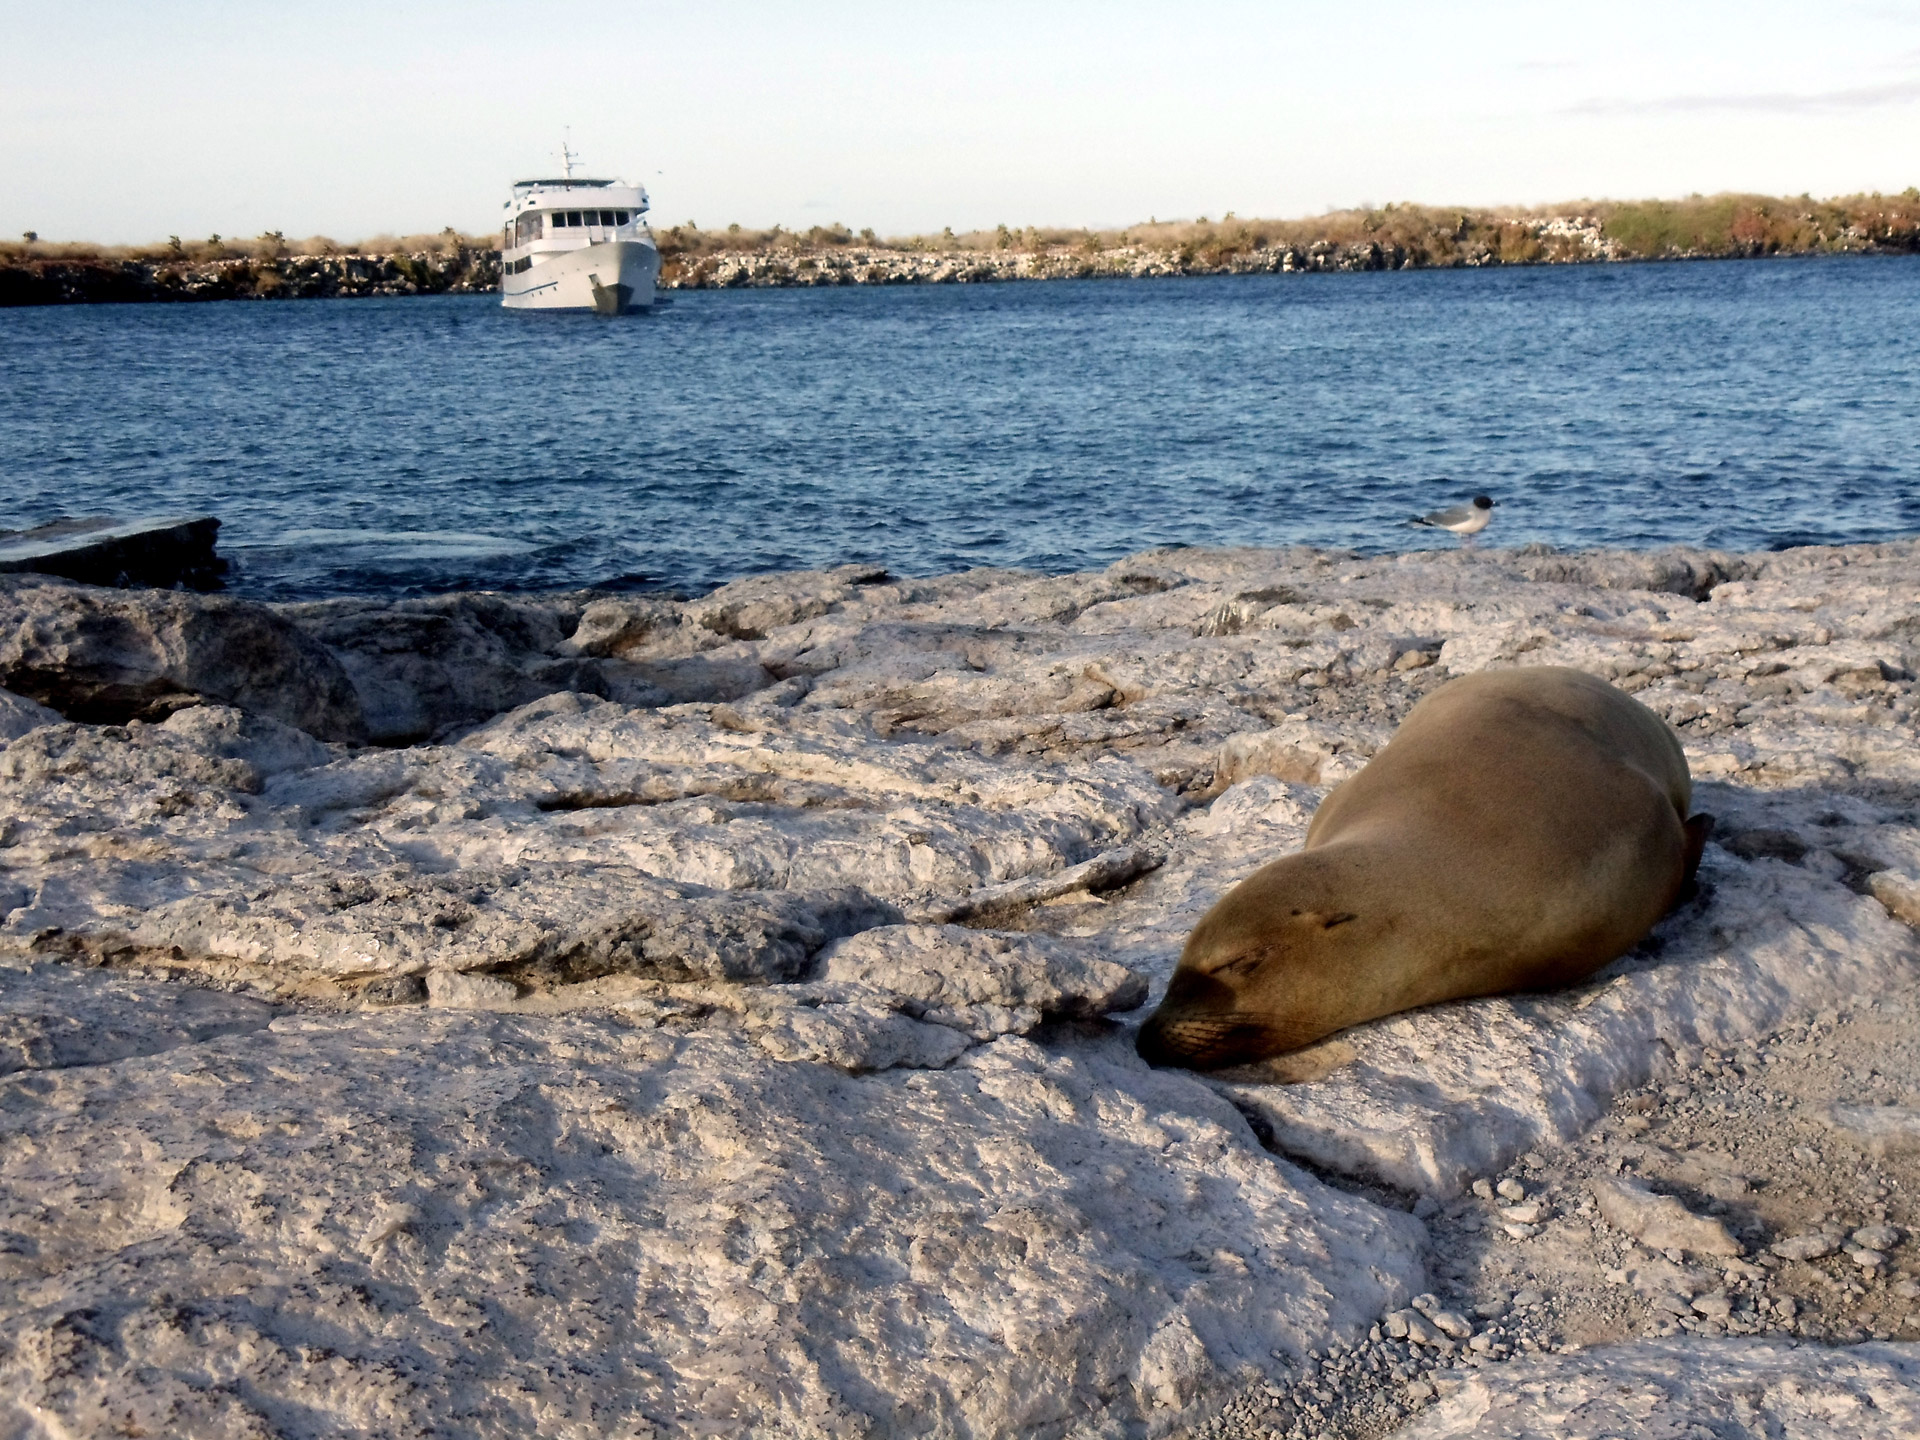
{"points": [[410, 445]]}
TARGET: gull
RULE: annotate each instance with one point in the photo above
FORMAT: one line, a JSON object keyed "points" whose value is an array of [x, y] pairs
{"points": [[1465, 521]]}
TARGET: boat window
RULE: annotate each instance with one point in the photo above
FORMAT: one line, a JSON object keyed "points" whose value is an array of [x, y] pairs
{"points": [[606, 217], [573, 217], [620, 217]]}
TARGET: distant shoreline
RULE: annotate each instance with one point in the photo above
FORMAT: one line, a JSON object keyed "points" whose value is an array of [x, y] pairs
{"points": [[1390, 238], [92, 282]]}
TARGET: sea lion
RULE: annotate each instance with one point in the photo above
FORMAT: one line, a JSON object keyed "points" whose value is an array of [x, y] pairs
{"points": [[1522, 828]]}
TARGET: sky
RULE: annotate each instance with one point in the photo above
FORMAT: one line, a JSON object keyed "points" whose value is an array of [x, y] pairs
{"points": [[129, 122]]}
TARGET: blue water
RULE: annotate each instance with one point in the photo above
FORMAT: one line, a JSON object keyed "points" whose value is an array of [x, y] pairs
{"points": [[425, 444]]}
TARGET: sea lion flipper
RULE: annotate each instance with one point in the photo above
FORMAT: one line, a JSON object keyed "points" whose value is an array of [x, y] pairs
{"points": [[1699, 830]]}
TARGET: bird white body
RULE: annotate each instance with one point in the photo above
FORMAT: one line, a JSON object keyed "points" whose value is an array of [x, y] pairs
{"points": [[1462, 520]]}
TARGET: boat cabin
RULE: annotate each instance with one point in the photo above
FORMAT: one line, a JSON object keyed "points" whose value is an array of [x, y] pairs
{"points": [[568, 214]]}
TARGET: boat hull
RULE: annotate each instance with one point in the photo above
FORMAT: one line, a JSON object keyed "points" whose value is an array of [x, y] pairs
{"points": [[610, 277]]}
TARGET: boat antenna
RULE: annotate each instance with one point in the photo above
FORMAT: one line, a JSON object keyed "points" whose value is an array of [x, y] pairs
{"points": [[567, 154]]}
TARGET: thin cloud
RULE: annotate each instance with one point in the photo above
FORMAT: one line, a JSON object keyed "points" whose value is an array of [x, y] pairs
{"points": [[1863, 97]]}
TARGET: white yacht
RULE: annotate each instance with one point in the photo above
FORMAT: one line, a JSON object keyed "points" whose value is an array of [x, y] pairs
{"points": [[573, 244]]}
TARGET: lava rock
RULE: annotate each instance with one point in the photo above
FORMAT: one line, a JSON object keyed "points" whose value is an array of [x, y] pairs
{"points": [[109, 656]]}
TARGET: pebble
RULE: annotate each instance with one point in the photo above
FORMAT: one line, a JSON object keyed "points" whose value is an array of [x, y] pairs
{"points": [[1453, 1325], [1413, 1326], [1716, 1305], [1812, 1246]]}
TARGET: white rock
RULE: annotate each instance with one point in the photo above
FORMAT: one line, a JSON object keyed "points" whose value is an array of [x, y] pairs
{"points": [[18, 715], [52, 1018], [1881, 1130], [1659, 1221], [758, 1193], [1813, 1246], [1409, 1324], [269, 746], [856, 1036], [1715, 1305], [980, 981], [454, 991], [1733, 1389], [1028, 1240], [1455, 1326]]}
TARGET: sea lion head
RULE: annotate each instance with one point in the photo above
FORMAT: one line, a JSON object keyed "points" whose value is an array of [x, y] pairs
{"points": [[1270, 968]]}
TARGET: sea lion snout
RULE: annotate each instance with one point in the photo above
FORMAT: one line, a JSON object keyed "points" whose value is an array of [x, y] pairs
{"points": [[1199, 1026], [1197, 1040]]}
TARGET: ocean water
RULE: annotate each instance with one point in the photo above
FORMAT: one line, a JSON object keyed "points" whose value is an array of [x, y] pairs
{"points": [[412, 445]]}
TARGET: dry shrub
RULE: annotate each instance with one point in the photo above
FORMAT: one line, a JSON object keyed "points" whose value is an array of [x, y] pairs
{"points": [[1427, 234]]}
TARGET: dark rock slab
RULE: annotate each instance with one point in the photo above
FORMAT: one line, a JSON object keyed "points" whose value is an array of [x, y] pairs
{"points": [[99, 550], [52, 1018], [105, 657], [424, 665]]}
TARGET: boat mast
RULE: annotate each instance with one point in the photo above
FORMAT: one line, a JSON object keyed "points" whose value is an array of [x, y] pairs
{"points": [[567, 154]]}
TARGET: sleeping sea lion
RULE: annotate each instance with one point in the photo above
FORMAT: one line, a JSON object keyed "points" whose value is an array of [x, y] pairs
{"points": [[1523, 828]]}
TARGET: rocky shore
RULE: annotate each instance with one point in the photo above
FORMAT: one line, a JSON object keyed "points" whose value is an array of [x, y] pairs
{"points": [[28, 281], [592, 1014], [1393, 237], [1570, 240]]}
